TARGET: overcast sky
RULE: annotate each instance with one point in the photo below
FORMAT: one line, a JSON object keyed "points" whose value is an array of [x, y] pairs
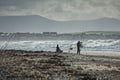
{"points": [[62, 9]]}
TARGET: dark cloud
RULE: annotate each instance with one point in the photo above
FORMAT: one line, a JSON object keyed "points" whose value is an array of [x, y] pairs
{"points": [[62, 9]]}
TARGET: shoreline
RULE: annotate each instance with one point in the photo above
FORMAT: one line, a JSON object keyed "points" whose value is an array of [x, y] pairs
{"points": [[102, 53], [90, 53]]}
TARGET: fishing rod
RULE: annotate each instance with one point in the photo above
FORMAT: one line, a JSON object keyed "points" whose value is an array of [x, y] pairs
{"points": [[8, 42], [5, 44], [83, 40]]}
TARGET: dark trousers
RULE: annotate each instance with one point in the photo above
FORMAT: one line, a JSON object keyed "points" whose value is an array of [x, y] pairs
{"points": [[78, 50]]}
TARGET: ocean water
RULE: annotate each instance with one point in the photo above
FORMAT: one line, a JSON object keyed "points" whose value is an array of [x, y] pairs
{"points": [[50, 45]]}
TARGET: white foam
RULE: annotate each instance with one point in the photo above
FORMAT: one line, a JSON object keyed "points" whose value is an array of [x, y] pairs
{"points": [[50, 45]]}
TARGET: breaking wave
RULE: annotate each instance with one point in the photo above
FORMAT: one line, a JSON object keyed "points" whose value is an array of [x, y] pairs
{"points": [[50, 45]]}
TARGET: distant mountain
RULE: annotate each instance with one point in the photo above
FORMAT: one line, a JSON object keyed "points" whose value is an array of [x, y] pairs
{"points": [[40, 24]]}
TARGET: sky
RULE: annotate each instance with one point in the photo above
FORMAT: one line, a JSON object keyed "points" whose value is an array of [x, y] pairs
{"points": [[57, 11], [62, 10]]}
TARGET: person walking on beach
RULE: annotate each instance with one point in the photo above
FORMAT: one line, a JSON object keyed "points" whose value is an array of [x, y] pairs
{"points": [[79, 45], [58, 50]]}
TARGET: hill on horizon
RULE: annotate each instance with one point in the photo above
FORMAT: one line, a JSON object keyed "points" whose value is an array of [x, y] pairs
{"points": [[35, 23]]}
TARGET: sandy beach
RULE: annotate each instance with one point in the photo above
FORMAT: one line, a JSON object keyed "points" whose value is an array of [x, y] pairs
{"points": [[102, 53], [44, 65]]}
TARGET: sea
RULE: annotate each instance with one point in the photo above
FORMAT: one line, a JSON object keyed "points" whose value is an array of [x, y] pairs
{"points": [[65, 45]]}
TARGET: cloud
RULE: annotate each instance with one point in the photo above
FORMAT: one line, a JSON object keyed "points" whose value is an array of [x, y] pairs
{"points": [[62, 9]]}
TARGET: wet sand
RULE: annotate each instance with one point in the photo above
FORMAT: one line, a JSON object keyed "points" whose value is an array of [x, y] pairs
{"points": [[42, 65]]}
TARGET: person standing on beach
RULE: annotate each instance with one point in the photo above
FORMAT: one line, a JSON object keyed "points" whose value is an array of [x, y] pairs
{"points": [[79, 45]]}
